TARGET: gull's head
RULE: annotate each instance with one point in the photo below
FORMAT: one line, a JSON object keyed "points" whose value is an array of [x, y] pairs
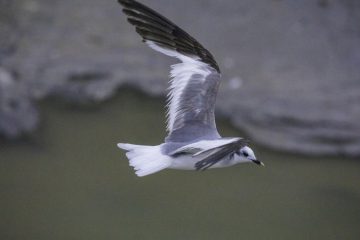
{"points": [[246, 154]]}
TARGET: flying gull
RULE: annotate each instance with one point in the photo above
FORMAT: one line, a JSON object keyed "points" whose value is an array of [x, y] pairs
{"points": [[193, 142]]}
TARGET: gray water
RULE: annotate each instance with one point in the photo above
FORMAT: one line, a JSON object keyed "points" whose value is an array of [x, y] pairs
{"points": [[69, 181]]}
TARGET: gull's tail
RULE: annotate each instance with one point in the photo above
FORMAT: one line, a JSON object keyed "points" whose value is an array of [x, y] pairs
{"points": [[145, 159]]}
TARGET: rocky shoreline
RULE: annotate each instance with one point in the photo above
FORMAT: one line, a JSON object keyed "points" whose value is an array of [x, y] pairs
{"points": [[291, 76]]}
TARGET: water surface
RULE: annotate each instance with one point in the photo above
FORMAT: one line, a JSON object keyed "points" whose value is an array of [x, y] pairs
{"points": [[69, 181]]}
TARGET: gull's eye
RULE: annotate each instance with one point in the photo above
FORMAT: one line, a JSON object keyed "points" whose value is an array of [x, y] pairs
{"points": [[246, 154]]}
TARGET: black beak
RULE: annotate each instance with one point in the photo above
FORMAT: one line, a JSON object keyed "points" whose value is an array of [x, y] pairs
{"points": [[258, 162]]}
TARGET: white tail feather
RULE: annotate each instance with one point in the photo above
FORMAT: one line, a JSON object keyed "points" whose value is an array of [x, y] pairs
{"points": [[145, 159]]}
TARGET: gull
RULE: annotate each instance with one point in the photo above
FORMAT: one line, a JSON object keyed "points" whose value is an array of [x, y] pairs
{"points": [[193, 142]]}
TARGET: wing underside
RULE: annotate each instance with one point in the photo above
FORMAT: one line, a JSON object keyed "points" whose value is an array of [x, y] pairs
{"points": [[194, 81]]}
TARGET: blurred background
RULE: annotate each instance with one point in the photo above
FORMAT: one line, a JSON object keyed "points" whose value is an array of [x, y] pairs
{"points": [[75, 79]]}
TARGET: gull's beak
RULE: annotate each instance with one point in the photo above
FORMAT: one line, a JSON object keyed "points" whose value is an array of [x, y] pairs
{"points": [[258, 163]]}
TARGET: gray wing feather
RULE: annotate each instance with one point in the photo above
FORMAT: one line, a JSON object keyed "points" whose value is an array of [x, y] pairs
{"points": [[193, 115], [196, 116]]}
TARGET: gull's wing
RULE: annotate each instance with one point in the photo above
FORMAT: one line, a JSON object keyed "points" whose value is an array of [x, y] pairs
{"points": [[200, 147], [211, 152], [220, 153], [195, 81]]}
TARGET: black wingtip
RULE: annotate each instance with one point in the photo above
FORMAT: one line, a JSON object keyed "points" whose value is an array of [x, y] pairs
{"points": [[125, 1], [155, 27], [201, 166], [122, 2]]}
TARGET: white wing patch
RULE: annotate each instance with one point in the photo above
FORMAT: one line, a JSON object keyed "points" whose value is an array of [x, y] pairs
{"points": [[180, 76]]}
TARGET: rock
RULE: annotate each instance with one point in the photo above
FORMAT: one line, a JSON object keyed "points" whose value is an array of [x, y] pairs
{"points": [[18, 115], [290, 69], [8, 28]]}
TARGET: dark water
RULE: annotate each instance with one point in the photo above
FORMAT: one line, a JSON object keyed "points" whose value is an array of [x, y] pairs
{"points": [[71, 182]]}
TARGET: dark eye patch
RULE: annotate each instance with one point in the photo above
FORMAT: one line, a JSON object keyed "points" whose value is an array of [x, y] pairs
{"points": [[246, 154]]}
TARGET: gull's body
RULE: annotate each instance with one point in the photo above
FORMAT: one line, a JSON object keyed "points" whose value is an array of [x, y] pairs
{"points": [[193, 142]]}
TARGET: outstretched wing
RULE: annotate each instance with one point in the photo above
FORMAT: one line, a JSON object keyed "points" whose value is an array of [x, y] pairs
{"points": [[195, 81]]}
